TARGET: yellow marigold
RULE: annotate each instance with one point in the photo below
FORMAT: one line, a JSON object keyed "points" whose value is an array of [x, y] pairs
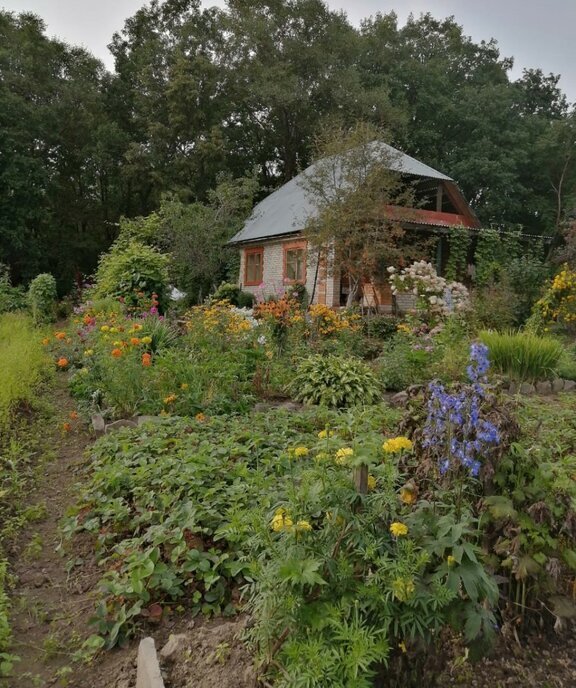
{"points": [[450, 560], [408, 494], [117, 343], [146, 340], [105, 328], [60, 335], [170, 399], [323, 434], [303, 526], [136, 327], [397, 444], [113, 329], [403, 589], [89, 352], [184, 385], [342, 455], [281, 521], [371, 482], [46, 341], [299, 452], [398, 529], [200, 417]]}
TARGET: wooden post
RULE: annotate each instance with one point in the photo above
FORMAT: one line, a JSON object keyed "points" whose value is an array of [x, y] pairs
{"points": [[361, 479]]}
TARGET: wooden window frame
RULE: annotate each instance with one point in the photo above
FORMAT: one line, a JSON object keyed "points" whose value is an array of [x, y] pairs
{"points": [[251, 252], [295, 246]]}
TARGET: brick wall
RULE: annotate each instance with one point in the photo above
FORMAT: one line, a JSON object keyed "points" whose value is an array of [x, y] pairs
{"points": [[327, 287]]}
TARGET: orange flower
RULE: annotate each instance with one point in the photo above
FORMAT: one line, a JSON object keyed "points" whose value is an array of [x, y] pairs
{"points": [[200, 417], [46, 341], [66, 427], [62, 362], [146, 360], [60, 335], [134, 341], [116, 353], [73, 415]]}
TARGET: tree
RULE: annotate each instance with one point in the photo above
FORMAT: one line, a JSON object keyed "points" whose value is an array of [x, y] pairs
{"points": [[353, 187]]}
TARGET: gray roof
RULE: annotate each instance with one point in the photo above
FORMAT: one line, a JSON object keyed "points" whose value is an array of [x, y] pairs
{"points": [[286, 210]]}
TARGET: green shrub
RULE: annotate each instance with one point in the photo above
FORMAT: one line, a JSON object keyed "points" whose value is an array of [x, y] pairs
{"points": [[6, 659], [226, 292], [494, 307], [335, 381], [42, 298], [567, 366], [523, 355], [23, 364], [11, 298], [401, 365], [130, 269], [246, 299], [380, 326]]}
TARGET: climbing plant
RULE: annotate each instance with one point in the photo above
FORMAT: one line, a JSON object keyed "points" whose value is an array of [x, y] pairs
{"points": [[459, 240]]}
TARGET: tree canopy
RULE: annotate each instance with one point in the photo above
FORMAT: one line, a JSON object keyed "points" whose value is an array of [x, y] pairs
{"points": [[201, 93]]}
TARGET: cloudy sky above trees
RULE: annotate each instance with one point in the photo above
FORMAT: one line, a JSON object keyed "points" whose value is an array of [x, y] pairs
{"points": [[535, 34]]}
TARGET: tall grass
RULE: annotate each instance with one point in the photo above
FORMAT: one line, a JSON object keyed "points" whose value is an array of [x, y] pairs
{"points": [[23, 363], [523, 356]]}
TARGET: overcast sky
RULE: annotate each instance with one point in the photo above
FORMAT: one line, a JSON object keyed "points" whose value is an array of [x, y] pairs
{"points": [[536, 33]]}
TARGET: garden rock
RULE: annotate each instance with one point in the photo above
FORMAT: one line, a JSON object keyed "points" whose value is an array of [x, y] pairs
{"points": [[527, 388], [98, 424], [176, 645], [399, 399], [544, 387], [117, 424], [557, 384], [569, 385]]}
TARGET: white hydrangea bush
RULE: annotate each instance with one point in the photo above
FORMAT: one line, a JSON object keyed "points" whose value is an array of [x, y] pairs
{"points": [[435, 296]]}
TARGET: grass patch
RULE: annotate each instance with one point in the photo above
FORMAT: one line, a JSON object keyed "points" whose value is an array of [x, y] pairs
{"points": [[23, 364], [522, 355]]}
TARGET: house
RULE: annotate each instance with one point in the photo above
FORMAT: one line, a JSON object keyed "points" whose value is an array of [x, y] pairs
{"points": [[275, 254]]}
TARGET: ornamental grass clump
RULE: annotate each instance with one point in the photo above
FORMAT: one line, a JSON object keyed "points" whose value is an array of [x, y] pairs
{"points": [[329, 380], [523, 356]]}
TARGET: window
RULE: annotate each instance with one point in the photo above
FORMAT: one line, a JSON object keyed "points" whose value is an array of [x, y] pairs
{"points": [[295, 263], [253, 266]]}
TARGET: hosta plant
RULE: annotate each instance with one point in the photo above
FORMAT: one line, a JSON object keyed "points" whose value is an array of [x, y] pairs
{"points": [[335, 381]]}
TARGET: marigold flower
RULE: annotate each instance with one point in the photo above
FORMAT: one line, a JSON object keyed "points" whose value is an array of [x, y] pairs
{"points": [[60, 335], [299, 452], [342, 455], [303, 526], [146, 340], [105, 328], [136, 327], [397, 444], [371, 482], [281, 521], [66, 427], [73, 415], [408, 494], [46, 341], [323, 434], [114, 329], [117, 353], [146, 360], [184, 385], [200, 417], [398, 529], [62, 362], [134, 341], [89, 352]]}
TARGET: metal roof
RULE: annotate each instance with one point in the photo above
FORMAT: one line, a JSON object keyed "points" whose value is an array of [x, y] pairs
{"points": [[286, 210]]}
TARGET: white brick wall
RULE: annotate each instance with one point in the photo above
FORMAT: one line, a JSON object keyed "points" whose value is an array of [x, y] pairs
{"points": [[273, 273]]}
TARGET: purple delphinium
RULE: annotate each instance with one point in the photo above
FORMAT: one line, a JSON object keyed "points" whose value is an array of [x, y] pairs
{"points": [[454, 429]]}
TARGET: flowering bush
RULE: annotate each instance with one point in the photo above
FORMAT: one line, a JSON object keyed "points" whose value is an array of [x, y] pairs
{"points": [[455, 432], [558, 305], [436, 298], [221, 322], [325, 321]]}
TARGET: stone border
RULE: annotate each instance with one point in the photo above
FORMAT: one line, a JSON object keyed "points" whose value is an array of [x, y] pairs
{"points": [[544, 387]]}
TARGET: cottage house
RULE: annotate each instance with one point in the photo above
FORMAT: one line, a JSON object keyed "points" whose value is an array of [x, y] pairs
{"points": [[274, 252]]}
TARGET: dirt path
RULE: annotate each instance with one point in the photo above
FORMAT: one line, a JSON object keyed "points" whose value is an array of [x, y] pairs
{"points": [[53, 601]]}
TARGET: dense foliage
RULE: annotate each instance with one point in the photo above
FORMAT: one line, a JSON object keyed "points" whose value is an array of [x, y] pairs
{"points": [[198, 93]]}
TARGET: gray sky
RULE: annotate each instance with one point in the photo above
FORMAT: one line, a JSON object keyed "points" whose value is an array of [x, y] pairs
{"points": [[535, 33]]}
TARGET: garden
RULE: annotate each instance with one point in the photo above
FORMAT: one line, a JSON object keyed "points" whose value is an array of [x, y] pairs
{"points": [[380, 498]]}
